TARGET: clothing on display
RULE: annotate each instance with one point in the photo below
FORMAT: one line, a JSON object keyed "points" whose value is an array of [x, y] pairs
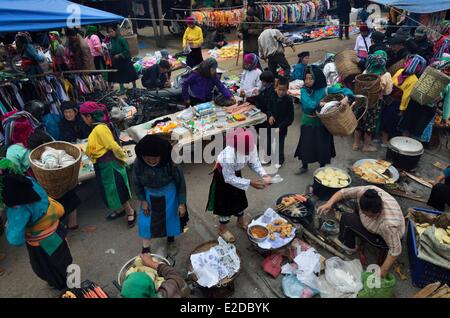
{"points": [[292, 13]]}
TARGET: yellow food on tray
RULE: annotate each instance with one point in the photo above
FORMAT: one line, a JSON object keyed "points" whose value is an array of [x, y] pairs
{"points": [[332, 177], [239, 117], [374, 171]]}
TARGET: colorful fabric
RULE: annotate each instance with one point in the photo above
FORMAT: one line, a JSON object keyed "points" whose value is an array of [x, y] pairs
{"points": [[18, 126], [98, 111], [20, 216], [19, 155], [415, 65], [251, 61], [376, 63], [406, 87]]}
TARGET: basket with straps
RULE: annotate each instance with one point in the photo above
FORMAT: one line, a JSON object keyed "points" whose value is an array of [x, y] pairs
{"points": [[341, 121], [345, 64], [429, 86], [368, 85], [57, 182]]}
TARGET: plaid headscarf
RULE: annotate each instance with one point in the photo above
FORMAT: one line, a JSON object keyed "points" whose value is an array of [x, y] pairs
{"points": [[376, 62], [414, 65]]}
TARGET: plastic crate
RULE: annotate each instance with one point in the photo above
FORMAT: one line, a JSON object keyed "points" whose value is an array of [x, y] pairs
{"points": [[423, 272]]}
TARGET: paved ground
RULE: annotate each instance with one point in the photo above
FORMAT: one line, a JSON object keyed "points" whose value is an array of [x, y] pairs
{"points": [[88, 249]]}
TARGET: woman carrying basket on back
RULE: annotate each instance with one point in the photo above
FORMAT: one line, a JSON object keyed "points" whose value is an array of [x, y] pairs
{"points": [[368, 125], [316, 144]]}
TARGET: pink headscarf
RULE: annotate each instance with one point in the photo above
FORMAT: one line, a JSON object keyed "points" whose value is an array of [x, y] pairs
{"points": [[242, 140], [190, 20], [98, 111]]}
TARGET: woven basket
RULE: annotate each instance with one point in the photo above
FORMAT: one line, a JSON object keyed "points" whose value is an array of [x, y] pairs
{"points": [[369, 85], [394, 68], [57, 182], [133, 44], [338, 122], [430, 86], [345, 65], [206, 247]]}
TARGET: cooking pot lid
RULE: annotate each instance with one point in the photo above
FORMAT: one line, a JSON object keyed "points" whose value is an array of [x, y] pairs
{"points": [[406, 145]]}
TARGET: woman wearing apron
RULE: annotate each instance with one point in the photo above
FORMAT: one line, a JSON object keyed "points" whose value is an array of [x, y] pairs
{"points": [[227, 196], [109, 161], [161, 189], [33, 217]]}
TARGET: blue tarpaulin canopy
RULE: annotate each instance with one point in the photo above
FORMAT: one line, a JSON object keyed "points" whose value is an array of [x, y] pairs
{"points": [[37, 15], [417, 6]]}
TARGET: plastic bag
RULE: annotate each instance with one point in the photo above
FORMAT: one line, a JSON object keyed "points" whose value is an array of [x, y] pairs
{"points": [[344, 276], [293, 288], [384, 290]]}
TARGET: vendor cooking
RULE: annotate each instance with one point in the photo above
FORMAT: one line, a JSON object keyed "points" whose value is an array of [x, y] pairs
{"points": [[199, 85], [227, 191], [379, 221]]}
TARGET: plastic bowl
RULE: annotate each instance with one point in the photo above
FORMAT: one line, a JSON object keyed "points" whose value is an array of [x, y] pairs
{"points": [[261, 228]]}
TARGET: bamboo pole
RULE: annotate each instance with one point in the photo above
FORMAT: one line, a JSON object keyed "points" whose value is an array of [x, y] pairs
{"points": [[152, 16]]}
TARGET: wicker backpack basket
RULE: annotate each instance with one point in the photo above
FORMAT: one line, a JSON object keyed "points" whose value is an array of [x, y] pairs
{"points": [[369, 85], [341, 122], [429, 86], [57, 182], [345, 64]]}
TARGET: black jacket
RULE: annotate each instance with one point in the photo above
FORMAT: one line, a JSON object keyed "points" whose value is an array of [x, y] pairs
{"points": [[73, 130], [343, 8], [282, 109], [395, 57], [153, 78], [262, 101], [423, 48]]}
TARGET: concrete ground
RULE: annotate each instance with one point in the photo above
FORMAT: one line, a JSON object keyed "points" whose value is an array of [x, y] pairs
{"points": [[89, 249]]}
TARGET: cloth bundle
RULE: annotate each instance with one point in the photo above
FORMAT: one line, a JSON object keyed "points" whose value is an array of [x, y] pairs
{"points": [[54, 159]]}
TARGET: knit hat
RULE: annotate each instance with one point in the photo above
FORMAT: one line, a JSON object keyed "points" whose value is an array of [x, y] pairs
{"points": [[190, 21]]}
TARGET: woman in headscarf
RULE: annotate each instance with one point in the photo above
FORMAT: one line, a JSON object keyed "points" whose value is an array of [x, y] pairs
{"points": [[415, 117], [57, 52], [72, 126], [121, 60], [376, 64], [31, 59], [77, 53], [227, 196], [95, 45], [33, 218], [404, 81], [141, 285], [442, 46], [192, 42], [299, 69], [198, 86], [161, 189], [109, 159], [250, 81], [316, 144]]}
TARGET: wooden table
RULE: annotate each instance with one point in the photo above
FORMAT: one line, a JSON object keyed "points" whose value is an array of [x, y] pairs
{"points": [[138, 132], [85, 175]]}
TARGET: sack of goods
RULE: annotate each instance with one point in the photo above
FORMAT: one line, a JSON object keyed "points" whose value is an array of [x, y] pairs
{"points": [[54, 159]]}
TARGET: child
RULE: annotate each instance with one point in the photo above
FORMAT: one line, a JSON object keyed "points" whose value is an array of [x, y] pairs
{"points": [[298, 72], [363, 42], [281, 115], [251, 81], [267, 88]]}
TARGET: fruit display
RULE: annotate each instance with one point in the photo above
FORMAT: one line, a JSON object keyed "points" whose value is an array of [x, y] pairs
{"points": [[333, 178]]}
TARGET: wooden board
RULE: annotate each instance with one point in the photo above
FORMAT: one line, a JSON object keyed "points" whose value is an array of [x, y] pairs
{"points": [[426, 183], [407, 195]]}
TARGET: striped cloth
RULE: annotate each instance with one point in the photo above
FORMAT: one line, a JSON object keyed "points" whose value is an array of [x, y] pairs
{"points": [[390, 224]]}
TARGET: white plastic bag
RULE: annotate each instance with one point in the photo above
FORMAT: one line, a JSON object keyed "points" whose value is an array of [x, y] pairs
{"points": [[344, 276]]}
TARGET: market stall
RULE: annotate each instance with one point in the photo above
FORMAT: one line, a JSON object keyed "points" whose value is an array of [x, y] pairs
{"points": [[188, 126]]}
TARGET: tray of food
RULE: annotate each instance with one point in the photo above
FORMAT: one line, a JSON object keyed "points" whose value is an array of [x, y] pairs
{"points": [[295, 206], [270, 231], [135, 265], [331, 177], [376, 171]]}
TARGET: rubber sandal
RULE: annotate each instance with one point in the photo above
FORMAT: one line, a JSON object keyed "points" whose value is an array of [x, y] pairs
{"points": [[115, 215], [228, 236], [131, 224]]}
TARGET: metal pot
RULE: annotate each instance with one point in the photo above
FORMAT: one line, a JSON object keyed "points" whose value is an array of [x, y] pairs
{"points": [[324, 192], [404, 152]]}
